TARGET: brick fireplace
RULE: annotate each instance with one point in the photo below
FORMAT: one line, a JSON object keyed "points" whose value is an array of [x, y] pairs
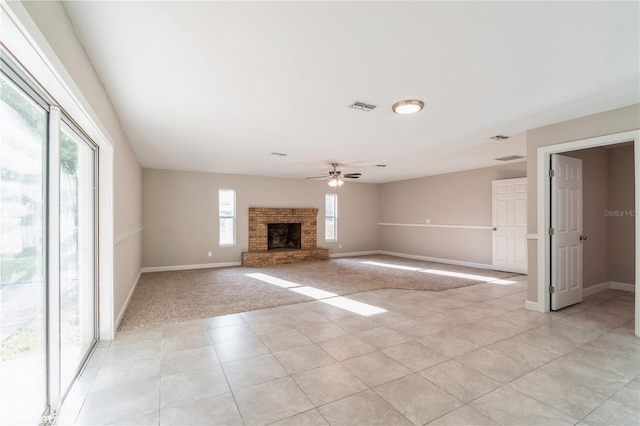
{"points": [[283, 222]]}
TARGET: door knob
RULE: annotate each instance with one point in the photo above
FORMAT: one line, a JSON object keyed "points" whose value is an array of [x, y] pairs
{"points": [[583, 237]]}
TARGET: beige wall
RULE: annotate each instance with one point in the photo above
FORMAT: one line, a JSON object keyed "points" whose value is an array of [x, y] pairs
{"points": [[605, 123], [621, 228], [52, 20], [180, 214], [462, 198]]}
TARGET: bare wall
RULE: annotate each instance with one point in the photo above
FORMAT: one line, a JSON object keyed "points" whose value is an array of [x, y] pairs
{"points": [[180, 214], [620, 215], [461, 198], [52, 20]]}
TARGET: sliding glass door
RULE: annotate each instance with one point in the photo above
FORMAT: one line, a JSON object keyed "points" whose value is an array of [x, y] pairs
{"points": [[47, 251], [23, 292]]}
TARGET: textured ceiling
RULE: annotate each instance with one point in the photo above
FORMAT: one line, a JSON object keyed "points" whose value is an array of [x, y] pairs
{"points": [[219, 86]]}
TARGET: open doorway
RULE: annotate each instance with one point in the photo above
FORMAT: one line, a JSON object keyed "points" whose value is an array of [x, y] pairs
{"points": [[632, 140], [607, 221]]}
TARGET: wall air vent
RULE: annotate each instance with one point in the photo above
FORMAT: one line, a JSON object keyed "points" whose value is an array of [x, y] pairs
{"points": [[510, 157], [499, 137], [362, 106], [279, 154]]}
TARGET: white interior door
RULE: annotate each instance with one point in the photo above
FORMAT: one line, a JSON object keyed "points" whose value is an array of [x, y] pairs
{"points": [[566, 231], [510, 225]]}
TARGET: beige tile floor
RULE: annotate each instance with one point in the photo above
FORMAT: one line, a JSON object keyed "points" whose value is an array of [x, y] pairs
{"points": [[466, 356]]}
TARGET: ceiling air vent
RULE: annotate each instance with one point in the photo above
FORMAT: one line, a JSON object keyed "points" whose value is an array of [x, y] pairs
{"points": [[510, 157], [362, 106], [499, 137]]}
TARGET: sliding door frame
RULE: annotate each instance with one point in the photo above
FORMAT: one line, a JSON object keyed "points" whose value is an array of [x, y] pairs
{"points": [[51, 167]]}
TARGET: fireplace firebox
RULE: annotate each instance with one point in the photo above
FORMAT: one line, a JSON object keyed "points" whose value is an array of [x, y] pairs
{"points": [[284, 236]]}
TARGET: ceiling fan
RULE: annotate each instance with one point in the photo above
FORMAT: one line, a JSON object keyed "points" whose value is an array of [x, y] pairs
{"points": [[335, 176]]}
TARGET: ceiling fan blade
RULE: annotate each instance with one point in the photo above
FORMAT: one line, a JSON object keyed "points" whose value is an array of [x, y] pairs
{"points": [[352, 175], [317, 177]]}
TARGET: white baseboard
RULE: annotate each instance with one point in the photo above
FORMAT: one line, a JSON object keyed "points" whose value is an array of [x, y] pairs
{"points": [[623, 286], [126, 302], [531, 306], [607, 285], [187, 267], [355, 253], [595, 289], [437, 259]]}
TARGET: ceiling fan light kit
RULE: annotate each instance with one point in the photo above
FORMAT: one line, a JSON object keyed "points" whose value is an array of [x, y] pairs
{"points": [[335, 181], [409, 106]]}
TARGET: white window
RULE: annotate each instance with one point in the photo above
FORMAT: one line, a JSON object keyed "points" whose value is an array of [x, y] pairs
{"points": [[331, 217], [227, 213]]}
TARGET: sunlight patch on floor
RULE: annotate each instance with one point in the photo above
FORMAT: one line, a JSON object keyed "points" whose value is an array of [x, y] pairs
{"points": [[391, 265], [492, 280], [467, 276], [327, 297], [273, 280], [354, 306], [316, 293]]}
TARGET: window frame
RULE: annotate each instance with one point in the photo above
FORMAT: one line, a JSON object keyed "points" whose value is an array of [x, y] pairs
{"points": [[334, 200], [222, 217]]}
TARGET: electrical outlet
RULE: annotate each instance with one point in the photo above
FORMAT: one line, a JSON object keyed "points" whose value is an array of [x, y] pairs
{"points": [[210, 253], [427, 221], [339, 245]]}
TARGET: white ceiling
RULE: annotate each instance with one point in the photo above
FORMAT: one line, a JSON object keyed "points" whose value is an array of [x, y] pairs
{"points": [[219, 86]]}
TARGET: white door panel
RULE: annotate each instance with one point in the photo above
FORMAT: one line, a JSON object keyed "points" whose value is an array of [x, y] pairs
{"points": [[520, 207], [510, 225], [566, 222]]}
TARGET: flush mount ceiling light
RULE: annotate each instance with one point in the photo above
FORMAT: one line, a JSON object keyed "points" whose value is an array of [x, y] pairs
{"points": [[409, 106]]}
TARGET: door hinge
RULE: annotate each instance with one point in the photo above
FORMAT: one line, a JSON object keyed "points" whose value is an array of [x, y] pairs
{"points": [[552, 289], [552, 231], [552, 173]]}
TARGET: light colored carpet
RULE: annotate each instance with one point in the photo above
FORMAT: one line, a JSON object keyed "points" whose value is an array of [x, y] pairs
{"points": [[169, 297]]}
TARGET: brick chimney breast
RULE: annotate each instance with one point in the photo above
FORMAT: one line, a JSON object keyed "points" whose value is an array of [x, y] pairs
{"points": [[259, 253]]}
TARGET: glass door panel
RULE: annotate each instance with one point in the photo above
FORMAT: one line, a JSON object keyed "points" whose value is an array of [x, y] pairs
{"points": [[23, 352], [77, 253]]}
